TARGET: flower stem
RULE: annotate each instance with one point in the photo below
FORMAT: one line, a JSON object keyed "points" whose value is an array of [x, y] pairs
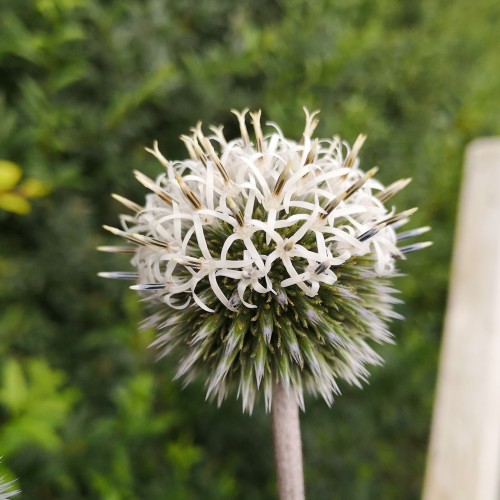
{"points": [[287, 445]]}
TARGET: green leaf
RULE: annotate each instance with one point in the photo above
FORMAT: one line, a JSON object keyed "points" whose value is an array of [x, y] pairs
{"points": [[151, 84], [14, 389], [37, 404], [28, 430], [183, 455]]}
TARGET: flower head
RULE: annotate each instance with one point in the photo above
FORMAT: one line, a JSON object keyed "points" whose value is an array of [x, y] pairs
{"points": [[266, 259], [6, 490]]}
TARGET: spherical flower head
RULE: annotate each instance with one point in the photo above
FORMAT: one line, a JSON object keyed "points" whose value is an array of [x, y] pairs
{"points": [[266, 260], [6, 489]]}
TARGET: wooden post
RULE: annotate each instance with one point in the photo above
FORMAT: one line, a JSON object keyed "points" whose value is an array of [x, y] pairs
{"points": [[464, 453]]}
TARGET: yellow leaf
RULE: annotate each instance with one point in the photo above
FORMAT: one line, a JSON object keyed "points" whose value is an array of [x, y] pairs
{"points": [[12, 202], [10, 173], [33, 188]]}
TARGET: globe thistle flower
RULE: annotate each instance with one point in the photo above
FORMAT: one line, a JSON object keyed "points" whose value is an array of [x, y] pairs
{"points": [[6, 490], [265, 260]]}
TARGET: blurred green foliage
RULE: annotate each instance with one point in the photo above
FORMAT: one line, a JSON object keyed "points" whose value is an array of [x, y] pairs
{"points": [[85, 412]]}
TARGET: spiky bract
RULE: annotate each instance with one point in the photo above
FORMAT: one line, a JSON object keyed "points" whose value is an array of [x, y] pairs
{"points": [[266, 261], [6, 491]]}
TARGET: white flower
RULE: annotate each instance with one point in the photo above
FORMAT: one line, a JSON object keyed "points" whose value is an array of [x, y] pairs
{"points": [[243, 224], [6, 490]]}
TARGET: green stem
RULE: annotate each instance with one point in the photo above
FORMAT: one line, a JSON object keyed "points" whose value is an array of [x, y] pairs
{"points": [[287, 445]]}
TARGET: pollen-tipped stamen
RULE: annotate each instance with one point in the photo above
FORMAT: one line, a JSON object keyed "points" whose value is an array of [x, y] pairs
{"points": [[243, 128], [280, 183], [311, 123], [398, 217], [348, 193], [150, 184], [356, 147], [137, 238], [393, 219], [259, 137], [393, 189], [236, 211], [127, 203], [412, 233], [415, 247], [116, 249], [119, 275], [311, 155], [210, 152], [157, 154], [194, 149], [191, 197]]}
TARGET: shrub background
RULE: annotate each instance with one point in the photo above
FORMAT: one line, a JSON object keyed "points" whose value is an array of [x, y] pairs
{"points": [[85, 412]]}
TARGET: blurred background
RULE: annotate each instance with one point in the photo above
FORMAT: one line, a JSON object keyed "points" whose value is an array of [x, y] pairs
{"points": [[85, 411]]}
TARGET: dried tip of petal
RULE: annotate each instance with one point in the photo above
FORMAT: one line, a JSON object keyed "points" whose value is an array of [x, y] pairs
{"points": [[311, 155], [409, 212], [127, 203], [143, 179], [236, 211], [219, 166], [349, 192], [280, 183], [412, 233], [210, 153], [111, 249], [188, 142], [152, 186], [113, 230], [137, 238], [192, 198], [415, 247], [118, 275], [392, 220], [361, 182], [393, 189], [397, 218]]}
